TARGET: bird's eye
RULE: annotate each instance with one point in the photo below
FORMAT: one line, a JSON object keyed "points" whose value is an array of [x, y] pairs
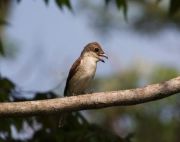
{"points": [[96, 49]]}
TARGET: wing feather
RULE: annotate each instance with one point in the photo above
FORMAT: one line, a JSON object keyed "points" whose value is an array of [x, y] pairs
{"points": [[72, 71]]}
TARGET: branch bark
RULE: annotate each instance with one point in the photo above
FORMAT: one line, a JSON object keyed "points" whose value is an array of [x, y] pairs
{"points": [[91, 101]]}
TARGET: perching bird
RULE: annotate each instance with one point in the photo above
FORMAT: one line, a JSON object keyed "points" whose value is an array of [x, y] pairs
{"points": [[83, 69], [82, 72]]}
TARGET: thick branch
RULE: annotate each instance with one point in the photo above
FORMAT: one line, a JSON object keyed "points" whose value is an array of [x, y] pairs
{"points": [[92, 101]]}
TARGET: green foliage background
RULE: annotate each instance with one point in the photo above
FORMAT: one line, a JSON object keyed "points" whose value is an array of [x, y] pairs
{"points": [[160, 119], [155, 121]]}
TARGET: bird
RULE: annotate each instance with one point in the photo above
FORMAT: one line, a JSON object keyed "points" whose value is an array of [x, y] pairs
{"points": [[82, 73], [83, 69]]}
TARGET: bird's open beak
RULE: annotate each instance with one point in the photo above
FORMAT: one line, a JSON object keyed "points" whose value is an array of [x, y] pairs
{"points": [[104, 56]]}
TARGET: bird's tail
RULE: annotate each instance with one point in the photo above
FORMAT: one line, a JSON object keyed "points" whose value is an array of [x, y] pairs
{"points": [[63, 119]]}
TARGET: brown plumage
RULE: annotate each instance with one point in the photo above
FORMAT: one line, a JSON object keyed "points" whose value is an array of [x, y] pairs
{"points": [[82, 72], [83, 69]]}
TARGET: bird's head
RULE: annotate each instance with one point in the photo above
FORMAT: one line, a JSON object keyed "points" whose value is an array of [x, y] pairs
{"points": [[94, 50]]}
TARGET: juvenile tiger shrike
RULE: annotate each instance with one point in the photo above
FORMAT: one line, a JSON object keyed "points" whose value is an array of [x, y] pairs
{"points": [[82, 72], [83, 69]]}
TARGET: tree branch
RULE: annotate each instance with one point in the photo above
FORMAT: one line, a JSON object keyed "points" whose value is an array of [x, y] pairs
{"points": [[91, 101]]}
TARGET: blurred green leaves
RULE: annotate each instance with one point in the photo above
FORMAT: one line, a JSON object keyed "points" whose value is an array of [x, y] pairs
{"points": [[126, 79], [6, 87], [45, 128], [158, 116], [78, 129], [162, 73], [3, 22], [122, 4], [1, 48], [46, 2], [61, 3], [174, 7]]}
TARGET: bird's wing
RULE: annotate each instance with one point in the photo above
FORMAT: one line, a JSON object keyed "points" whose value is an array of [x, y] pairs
{"points": [[72, 71]]}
